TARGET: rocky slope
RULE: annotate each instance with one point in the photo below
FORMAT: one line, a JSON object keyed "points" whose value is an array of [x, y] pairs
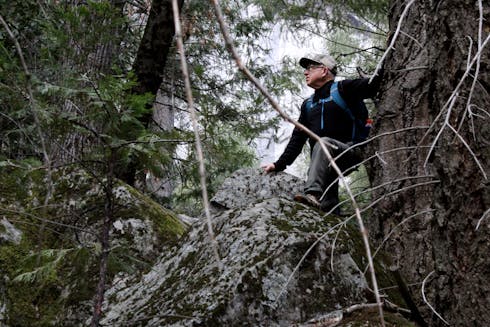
{"points": [[281, 263]]}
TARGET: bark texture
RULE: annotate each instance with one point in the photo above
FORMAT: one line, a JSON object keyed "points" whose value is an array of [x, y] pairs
{"points": [[429, 62], [93, 60]]}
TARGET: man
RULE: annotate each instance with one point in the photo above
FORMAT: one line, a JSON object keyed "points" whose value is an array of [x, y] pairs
{"points": [[329, 121]]}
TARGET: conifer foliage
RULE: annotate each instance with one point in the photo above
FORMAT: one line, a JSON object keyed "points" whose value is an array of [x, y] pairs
{"points": [[78, 89]]}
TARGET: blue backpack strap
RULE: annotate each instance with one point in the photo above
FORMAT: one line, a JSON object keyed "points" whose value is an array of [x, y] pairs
{"points": [[337, 98], [310, 104], [323, 101]]}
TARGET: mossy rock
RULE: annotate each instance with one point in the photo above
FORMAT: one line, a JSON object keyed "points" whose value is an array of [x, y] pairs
{"points": [[58, 288], [260, 247]]}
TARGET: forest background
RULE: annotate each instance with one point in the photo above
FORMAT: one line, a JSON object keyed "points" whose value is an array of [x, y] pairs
{"points": [[97, 85]]}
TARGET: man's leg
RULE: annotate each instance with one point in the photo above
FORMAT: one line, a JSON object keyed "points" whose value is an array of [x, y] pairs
{"points": [[321, 175], [331, 197], [319, 169]]}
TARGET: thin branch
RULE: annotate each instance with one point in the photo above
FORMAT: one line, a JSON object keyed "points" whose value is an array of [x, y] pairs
{"points": [[256, 82], [44, 220], [485, 214], [200, 157], [387, 237], [408, 69], [447, 123], [312, 246], [18, 126], [477, 70], [378, 136], [377, 155], [37, 121], [315, 32], [35, 225], [344, 222], [456, 90], [393, 39], [412, 38], [332, 250], [469, 150], [427, 302], [375, 202]]}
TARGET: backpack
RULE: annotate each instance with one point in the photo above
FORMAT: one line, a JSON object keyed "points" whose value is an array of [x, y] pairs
{"points": [[361, 123]]}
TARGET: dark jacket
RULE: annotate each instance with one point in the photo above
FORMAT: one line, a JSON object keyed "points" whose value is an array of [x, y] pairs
{"points": [[336, 122]]}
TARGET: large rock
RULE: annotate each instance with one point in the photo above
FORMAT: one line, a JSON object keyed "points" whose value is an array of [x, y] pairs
{"points": [[55, 284], [282, 263], [248, 186]]}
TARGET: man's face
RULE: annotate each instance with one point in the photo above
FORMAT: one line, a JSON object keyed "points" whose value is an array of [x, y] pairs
{"points": [[315, 75]]}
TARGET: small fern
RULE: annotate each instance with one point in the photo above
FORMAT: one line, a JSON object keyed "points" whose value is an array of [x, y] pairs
{"points": [[50, 261]]}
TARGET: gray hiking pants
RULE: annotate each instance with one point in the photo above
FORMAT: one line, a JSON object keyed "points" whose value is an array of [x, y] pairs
{"points": [[321, 174]]}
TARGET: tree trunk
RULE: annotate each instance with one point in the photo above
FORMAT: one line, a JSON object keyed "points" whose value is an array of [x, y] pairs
{"points": [[429, 62], [163, 186], [149, 66], [97, 60], [154, 49]]}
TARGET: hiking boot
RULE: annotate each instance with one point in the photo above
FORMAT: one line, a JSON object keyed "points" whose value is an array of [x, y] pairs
{"points": [[307, 198]]}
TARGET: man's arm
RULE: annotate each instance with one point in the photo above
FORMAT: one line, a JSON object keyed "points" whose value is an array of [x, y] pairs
{"points": [[293, 149], [359, 89]]}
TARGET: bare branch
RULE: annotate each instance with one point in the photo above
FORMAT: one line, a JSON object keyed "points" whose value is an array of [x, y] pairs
{"points": [[44, 220], [485, 214], [200, 157], [456, 90], [378, 136], [332, 250], [344, 222], [34, 110], [446, 123], [469, 150], [295, 270], [376, 155], [256, 82], [427, 302], [477, 70], [412, 38], [393, 39], [387, 237]]}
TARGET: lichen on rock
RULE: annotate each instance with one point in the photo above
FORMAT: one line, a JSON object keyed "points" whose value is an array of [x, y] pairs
{"points": [[283, 263], [275, 272]]}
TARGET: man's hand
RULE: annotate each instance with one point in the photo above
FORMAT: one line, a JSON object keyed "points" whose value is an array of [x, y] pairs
{"points": [[269, 167]]}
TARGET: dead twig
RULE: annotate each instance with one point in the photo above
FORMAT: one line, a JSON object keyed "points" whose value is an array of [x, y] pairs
{"points": [[485, 214], [477, 70], [393, 39], [427, 302], [262, 89], [450, 102], [37, 121], [200, 156], [387, 237]]}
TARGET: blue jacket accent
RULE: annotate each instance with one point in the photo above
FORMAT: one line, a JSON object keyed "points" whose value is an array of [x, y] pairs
{"points": [[339, 116]]}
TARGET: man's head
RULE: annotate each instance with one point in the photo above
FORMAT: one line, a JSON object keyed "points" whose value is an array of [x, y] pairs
{"points": [[319, 69]]}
